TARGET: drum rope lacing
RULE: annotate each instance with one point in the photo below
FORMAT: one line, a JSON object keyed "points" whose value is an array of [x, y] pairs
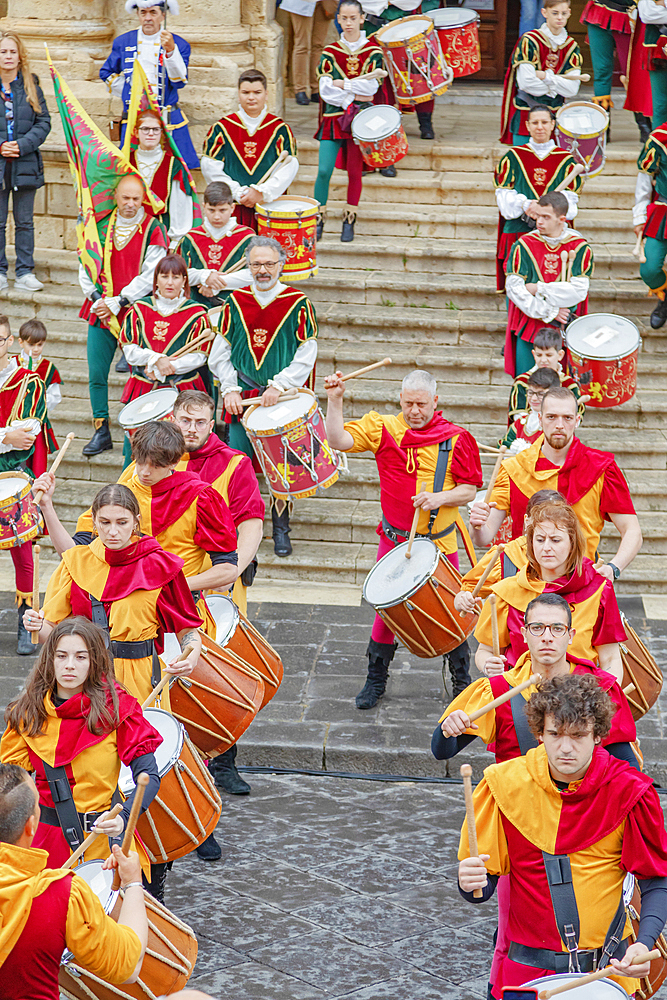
{"points": [[252, 634]]}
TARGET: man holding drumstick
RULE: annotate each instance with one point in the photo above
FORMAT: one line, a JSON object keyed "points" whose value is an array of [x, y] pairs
{"points": [[417, 446]]}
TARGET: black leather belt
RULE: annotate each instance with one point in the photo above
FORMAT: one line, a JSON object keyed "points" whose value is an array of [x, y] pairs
{"points": [[553, 961], [397, 535], [132, 650], [375, 19], [50, 817]]}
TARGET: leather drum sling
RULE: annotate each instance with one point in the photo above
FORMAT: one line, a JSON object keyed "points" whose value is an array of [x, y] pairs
{"points": [[61, 793], [525, 738], [126, 650], [442, 464]]}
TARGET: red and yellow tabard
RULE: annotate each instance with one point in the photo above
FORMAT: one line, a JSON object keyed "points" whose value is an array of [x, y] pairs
{"points": [[496, 728], [609, 823], [230, 472], [590, 481], [407, 457], [595, 614]]}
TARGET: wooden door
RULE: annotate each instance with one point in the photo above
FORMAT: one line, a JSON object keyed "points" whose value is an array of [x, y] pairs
{"points": [[492, 39]]}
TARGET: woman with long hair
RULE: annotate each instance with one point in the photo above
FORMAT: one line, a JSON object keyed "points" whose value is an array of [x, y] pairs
{"points": [[128, 583], [72, 727], [24, 126], [555, 547]]}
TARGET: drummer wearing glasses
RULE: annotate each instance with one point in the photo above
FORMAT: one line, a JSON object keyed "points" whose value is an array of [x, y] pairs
{"points": [[417, 447]]}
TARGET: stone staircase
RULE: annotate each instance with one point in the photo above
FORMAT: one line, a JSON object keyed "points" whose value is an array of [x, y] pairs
{"points": [[418, 284]]}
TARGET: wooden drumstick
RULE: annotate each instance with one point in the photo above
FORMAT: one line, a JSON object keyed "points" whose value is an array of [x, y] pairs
{"points": [[205, 338], [34, 636], [638, 245], [482, 580], [466, 774], [90, 839], [563, 265], [159, 688], [576, 170], [415, 519], [494, 625], [592, 977], [571, 254], [287, 394], [368, 368], [283, 158], [583, 77], [486, 447], [56, 462], [494, 474], [142, 781], [501, 699]]}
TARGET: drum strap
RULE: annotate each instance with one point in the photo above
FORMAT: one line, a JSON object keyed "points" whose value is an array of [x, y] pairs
{"points": [[125, 650], [525, 738], [444, 451], [563, 900], [250, 381], [61, 793], [509, 569]]}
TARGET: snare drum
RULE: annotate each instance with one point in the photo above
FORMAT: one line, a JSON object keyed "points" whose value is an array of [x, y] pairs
{"points": [[292, 220], [602, 352], [158, 404], [642, 677], [170, 954], [414, 58], [458, 33], [187, 807], [602, 989], [380, 136], [581, 129], [20, 517], [242, 642], [290, 442], [415, 598], [216, 702]]}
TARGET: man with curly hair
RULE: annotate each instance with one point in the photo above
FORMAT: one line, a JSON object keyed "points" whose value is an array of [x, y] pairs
{"points": [[567, 823]]}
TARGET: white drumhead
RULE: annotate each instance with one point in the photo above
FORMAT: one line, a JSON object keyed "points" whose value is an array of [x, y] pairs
{"points": [[452, 17], [169, 750], [603, 989], [290, 204], [266, 418], [151, 406], [394, 577], [12, 485], [582, 119], [99, 881], [602, 336], [406, 28], [225, 615], [376, 123]]}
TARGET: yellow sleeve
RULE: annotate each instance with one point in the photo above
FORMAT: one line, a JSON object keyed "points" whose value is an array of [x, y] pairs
{"points": [[367, 432], [57, 602], [483, 632], [476, 695], [14, 749], [98, 943], [501, 491], [471, 578], [491, 838]]}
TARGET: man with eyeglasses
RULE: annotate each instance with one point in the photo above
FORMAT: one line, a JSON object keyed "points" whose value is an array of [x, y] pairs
{"points": [[590, 481], [266, 344], [525, 427]]}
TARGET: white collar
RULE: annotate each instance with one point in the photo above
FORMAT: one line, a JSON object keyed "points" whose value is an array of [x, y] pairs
{"points": [[252, 124], [148, 39], [566, 234], [9, 369], [556, 40], [265, 298], [225, 230], [136, 220], [26, 357], [166, 307], [354, 46], [541, 149], [149, 155]]}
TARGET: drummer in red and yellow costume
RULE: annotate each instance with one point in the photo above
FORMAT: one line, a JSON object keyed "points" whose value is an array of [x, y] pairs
{"points": [[568, 797], [589, 479], [649, 217], [241, 148], [353, 55], [267, 345], [523, 175], [44, 910], [417, 446], [544, 68], [548, 275], [133, 244]]}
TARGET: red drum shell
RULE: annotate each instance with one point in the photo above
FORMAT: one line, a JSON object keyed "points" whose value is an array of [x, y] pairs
{"points": [[414, 59], [20, 517], [382, 152], [609, 381], [587, 148], [292, 220], [460, 42]]}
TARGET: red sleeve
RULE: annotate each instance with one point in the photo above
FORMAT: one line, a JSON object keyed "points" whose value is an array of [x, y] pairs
{"points": [[245, 500], [609, 626], [465, 464], [215, 530], [135, 736], [176, 607], [623, 728], [644, 851], [615, 497]]}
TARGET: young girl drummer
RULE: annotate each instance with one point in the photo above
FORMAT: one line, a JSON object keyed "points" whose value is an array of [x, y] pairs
{"points": [[341, 94]]}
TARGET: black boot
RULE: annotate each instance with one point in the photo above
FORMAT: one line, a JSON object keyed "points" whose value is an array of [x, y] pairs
{"points": [[425, 119], [158, 880], [380, 655], [659, 315], [281, 540], [122, 365], [349, 219], [210, 850], [224, 773], [25, 645], [321, 216], [100, 441], [644, 125], [389, 171], [459, 667]]}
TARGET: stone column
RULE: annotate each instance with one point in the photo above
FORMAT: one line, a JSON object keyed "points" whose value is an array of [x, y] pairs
{"points": [[78, 32]]}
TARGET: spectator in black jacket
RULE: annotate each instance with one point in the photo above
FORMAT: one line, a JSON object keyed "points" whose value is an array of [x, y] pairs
{"points": [[24, 126]]}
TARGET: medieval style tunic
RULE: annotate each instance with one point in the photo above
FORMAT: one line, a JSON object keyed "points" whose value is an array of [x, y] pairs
{"points": [[650, 209], [207, 249]]}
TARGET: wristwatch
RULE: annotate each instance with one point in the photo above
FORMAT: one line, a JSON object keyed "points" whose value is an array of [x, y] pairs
{"points": [[615, 570]]}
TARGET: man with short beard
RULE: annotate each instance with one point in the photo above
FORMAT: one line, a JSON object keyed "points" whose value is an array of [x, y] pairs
{"points": [[590, 481]]}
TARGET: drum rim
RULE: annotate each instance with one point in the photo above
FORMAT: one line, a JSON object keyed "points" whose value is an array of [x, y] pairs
{"points": [[575, 975], [312, 208], [403, 41], [474, 19], [25, 490], [385, 135], [236, 619], [581, 135], [163, 389], [404, 597], [113, 893], [172, 760], [283, 427], [607, 357]]}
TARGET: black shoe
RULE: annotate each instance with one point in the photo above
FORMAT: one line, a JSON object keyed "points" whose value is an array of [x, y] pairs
{"points": [[281, 540], [458, 661], [302, 98], [389, 171], [659, 315], [347, 232], [225, 775], [158, 880], [25, 645], [99, 442], [425, 124], [314, 98], [122, 365], [380, 655], [210, 850], [320, 225], [644, 126]]}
